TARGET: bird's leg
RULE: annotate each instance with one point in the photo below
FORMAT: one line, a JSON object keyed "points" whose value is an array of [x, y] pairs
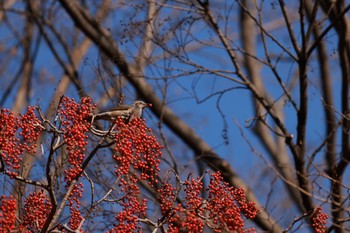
{"points": [[92, 119]]}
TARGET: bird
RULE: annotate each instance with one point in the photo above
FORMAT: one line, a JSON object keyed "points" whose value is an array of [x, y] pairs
{"points": [[126, 112]]}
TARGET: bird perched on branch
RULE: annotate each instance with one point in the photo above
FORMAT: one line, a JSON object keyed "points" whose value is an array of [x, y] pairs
{"points": [[127, 112]]}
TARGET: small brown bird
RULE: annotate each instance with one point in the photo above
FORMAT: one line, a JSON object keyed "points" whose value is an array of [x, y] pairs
{"points": [[127, 112]]}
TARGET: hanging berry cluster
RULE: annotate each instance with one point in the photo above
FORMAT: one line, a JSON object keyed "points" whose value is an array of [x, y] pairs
{"points": [[186, 216], [222, 209], [133, 207], [18, 135], [225, 203], [137, 153], [319, 220], [75, 127], [7, 213], [36, 210], [136, 148]]}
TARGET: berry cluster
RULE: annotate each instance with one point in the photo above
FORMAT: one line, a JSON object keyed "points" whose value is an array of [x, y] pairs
{"points": [[137, 153], [75, 127], [30, 130], [319, 220], [166, 196], [193, 205], [74, 205], [187, 217], [8, 207], [221, 210], [10, 150], [136, 147], [225, 203], [36, 210], [18, 134], [133, 207]]}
